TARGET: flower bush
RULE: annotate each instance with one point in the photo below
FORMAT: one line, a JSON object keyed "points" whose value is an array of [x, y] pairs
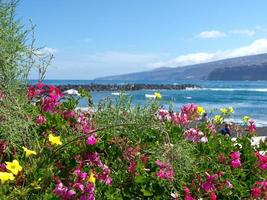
{"points": [[49, 149], [121, 151]]}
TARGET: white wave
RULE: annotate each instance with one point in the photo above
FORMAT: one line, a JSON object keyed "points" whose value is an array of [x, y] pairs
{"points": [[150, 96], [115, 93], [188, 97], [237, 89], [193, 88]]}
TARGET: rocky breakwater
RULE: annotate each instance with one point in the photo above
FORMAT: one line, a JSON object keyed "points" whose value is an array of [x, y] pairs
{"points": [[130, 87]]}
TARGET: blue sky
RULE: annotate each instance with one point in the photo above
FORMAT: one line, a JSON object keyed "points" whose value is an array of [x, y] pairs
{"points": [[92, 38]]}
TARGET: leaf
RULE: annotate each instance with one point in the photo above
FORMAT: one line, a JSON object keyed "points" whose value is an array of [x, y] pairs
{"points": [[139, 179], [147, 193]]}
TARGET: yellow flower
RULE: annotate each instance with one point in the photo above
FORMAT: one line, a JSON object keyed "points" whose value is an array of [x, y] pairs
{"points": [[157, 95], [200, 110], [54, 140], [5, 176], [29, 152], [246, 118], [91, 178], [218, 119], [224, 111], [231, 109], [14, 167]]}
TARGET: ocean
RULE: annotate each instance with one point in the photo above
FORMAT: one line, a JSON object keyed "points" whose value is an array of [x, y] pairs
{"points": [[247, 97]]}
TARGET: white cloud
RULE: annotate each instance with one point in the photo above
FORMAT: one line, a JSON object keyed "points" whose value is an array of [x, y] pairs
{"points": [[47, 50], [257, 47], [246, 32], [211, 34]]}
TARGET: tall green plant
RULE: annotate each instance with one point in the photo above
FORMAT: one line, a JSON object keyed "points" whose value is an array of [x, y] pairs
{"points": [[18, 57]]}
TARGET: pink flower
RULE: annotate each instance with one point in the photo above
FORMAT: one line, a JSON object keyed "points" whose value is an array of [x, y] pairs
{"points": [[208, 185], [213, 196], [68, 114], [163, 114], [235, 155], [262, 160], [251, 126], [212, 128], [55, 92], [235, 159], [83, 123], [180, 119], [91, 140], [228, 184], [49, 104], [190, 110], [63, 191], [235, 163], [93, 159], [132, 166], [195, 136], [256, 192], [166, 170], [40, 120], [187, 193]]}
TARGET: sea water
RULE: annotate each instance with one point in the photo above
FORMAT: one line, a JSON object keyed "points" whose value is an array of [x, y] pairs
{"points": [[247, 97]]}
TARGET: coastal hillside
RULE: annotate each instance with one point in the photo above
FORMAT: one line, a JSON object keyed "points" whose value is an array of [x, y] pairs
{"points": [[203, 71], [241, 73]]}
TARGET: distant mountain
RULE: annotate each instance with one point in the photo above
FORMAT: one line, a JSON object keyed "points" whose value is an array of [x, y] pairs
{"points": [[205, 71], [241, 73]]}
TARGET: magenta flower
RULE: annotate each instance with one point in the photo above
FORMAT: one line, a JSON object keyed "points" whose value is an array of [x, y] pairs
{"points": [[91, 140], [235, 155], [262, 160], [166, 171], [180, 119], [187, 193], [163, 114], [93, 159], [235, 163], [190, 110], [40, 120], [212, 128], [83, 123], [63, 191], [132, 166], [195, 136], [251, 126], [256, 192], [213, 196], [235, 159], [49, 104], [208, 185]]}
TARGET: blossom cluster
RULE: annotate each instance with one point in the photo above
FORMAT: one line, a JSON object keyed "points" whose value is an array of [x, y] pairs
{"points": [[235, 159], [195, 136], [165, 170]]}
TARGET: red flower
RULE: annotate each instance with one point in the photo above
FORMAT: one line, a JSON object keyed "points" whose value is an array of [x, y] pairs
{"points": [[40, 119]]}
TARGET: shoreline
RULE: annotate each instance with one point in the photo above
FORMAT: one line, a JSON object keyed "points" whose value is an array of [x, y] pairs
{"points": [[129, 87]]}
